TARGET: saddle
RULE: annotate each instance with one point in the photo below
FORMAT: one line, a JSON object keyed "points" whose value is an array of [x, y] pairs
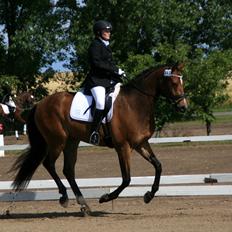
{"points": [[83, 105]]}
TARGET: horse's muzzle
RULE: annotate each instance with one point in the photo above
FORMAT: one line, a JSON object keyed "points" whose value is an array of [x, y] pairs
{"points": [[181, 108], [180, 102], [182, 105]]}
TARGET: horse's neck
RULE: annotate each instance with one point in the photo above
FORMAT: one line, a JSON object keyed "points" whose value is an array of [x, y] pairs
{"points": [[145, 92], [140, 97], [149, 85]]}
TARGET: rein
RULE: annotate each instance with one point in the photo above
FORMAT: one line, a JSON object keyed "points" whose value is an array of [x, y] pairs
{"points": [[140, 90], [176, 99]]}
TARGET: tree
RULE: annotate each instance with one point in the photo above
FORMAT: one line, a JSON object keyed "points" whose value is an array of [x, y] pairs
{"points": [[35, 32], [208, 77], [145, 33], [167, 31]]}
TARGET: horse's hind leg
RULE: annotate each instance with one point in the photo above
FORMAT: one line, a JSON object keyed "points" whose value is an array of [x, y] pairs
{"points": [[146, 151], [70, 157], [49, 164]]}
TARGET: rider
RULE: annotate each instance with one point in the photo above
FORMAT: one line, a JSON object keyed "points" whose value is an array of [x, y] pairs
{"points": [[103, 73], [8, 100]]}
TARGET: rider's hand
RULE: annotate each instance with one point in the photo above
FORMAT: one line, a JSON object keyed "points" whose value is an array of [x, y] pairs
{"points": [[121, 72]]}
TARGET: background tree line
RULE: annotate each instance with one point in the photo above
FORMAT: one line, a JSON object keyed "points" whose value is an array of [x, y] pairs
{"points": [[145, 33]]}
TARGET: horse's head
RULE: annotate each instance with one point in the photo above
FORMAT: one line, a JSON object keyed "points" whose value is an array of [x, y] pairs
{"points": [[174, 86], [24, 100]]}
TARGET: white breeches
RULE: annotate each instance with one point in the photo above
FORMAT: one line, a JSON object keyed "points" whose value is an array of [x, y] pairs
{"points": [[99, 94]]}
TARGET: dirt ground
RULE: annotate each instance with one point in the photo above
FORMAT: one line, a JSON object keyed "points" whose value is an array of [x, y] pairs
{"points": [[163, 214]]}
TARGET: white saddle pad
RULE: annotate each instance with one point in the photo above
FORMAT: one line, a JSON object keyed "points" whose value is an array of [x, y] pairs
{"points": [[5, 108], [81, 103]]}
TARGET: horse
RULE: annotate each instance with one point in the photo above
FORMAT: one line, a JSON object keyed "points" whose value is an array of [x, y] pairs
{"points": [[16, 116], [23, 101], [52, 131]]}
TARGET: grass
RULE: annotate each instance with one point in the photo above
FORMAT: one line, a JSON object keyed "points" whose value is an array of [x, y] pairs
{"points": [[197, 127], [223, 119], [219, 119], [224, 108]]}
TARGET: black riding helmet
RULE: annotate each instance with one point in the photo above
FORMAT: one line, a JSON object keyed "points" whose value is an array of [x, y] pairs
{"points": [[101, 25]]}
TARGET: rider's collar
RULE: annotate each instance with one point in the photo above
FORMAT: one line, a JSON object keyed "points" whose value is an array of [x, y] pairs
{"points": [[105, 41]]}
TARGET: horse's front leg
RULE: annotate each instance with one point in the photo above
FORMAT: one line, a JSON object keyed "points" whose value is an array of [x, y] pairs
{"points": [[18, 117], [146, 151], [124, 154]]}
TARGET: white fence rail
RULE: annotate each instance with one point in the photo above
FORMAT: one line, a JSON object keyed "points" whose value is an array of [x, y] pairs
{"points": [[178, 185], [175, 185], [152, 140]]}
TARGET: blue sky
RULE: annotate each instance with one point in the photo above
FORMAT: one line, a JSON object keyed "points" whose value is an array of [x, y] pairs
{"points": [[58, 66]]}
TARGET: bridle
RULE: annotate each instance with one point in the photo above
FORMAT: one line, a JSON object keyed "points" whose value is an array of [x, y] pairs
{"points": [[167, 73], [176, 99]]}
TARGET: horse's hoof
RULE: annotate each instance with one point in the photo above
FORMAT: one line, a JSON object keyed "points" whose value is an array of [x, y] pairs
{"points": [[64, 202], [148, 197], [104, 198], [85, 210]]}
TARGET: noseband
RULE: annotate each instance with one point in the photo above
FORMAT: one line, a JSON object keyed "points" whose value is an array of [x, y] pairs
{"points": [[176, 99]]}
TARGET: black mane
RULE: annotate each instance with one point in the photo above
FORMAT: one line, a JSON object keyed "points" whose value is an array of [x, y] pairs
{"points": [[144, 74]]}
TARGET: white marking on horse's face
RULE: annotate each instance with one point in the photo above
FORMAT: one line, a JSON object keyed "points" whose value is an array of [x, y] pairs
{"points": [[181, 80]]}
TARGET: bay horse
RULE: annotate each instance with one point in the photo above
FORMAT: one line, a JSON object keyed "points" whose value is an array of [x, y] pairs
{"points": [[51, 131]]}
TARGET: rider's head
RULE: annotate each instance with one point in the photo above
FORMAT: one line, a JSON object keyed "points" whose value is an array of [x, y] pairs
{"points": [[102, 29]]}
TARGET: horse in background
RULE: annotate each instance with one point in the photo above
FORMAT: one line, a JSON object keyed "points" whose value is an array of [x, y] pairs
{"points": [[51, 131], [14, 108]]}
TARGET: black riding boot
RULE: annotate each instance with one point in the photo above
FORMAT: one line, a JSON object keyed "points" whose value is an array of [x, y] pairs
{"points": [[95, 137]]}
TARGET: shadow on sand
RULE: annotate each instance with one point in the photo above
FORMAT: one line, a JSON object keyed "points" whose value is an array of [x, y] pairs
{"points": [[53, 215]]}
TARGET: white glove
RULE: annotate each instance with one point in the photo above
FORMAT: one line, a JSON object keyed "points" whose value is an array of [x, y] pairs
{"points": [[121, 72]]}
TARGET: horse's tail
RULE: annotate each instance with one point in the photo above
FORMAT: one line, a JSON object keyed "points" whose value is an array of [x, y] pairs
{"points": [[28, 162]]}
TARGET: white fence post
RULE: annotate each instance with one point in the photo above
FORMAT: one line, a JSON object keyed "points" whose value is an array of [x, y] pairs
{"points": [[17, 134], [2, 152], [25, 129]]}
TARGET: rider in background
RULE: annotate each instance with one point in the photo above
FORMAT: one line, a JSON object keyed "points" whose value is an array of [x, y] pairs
{"points": [[8, 100], [102, 75]]}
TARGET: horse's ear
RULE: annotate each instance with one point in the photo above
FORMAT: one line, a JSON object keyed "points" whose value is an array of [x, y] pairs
{"points": [[179, 66]]}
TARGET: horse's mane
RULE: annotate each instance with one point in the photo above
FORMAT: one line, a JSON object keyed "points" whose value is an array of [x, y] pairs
{"points": [[144, 74]]}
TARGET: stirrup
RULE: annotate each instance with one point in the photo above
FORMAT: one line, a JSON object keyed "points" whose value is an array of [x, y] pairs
{"points": [[94, 138]]}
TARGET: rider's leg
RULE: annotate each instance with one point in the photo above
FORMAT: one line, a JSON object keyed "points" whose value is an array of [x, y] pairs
{"points": [[98, 93]]}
